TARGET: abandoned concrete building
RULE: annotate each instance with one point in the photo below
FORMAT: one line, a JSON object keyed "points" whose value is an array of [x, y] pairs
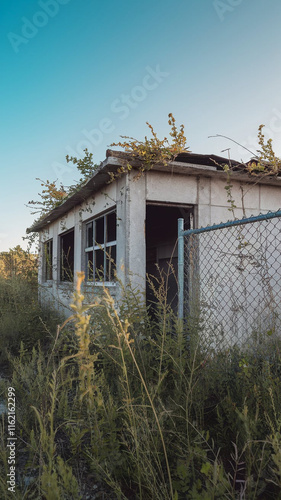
{"points": [[129, 225]]}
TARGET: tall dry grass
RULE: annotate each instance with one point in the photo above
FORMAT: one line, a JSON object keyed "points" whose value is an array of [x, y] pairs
{"points": [[122, 403]]}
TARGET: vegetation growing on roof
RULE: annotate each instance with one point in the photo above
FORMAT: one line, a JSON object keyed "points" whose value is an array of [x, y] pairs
{"points": [[153, 151], [85, 166], [144, 155], [266, 162], [53, 195]]}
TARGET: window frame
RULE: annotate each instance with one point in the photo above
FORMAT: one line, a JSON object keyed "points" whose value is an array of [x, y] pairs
{"points": [[63, 274], [48, 257], [106, 244]]}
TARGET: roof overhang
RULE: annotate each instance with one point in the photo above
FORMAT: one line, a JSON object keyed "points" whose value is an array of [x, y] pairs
{"points": [[100, 178], [192, 164]]}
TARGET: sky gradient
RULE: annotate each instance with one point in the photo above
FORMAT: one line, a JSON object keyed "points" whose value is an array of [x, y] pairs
{"points": [[80, 73]]}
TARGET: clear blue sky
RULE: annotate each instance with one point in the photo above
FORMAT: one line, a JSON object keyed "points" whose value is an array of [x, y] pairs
{"points": [[83, 70]]}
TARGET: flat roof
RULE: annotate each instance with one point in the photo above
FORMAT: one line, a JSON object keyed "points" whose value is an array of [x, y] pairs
{"points": [[185, 163]]}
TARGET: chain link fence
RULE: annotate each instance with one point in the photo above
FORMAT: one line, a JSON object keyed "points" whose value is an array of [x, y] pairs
{"points": [[230, 281]]}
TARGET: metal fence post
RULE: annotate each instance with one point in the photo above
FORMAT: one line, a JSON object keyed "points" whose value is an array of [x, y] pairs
{"points": [[180, 267]]}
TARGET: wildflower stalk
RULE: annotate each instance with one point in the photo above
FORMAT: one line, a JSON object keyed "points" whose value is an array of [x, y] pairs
{"points": [[126, 336]]}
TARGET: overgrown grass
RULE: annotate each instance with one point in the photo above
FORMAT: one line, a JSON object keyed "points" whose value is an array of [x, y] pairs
{"points": [[125, 404], [22, 319]]}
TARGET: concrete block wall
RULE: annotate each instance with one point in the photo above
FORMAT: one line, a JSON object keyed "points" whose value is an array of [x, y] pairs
{"points": [[206, 193]]}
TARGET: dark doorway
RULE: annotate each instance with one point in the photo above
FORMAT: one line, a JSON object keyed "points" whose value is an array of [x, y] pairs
{"points": [[161, 247]]}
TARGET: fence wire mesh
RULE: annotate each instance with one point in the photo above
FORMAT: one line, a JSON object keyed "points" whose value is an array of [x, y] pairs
{"points": [[232, 282]]}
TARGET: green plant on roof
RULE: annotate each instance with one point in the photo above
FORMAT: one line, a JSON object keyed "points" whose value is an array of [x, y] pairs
{"points": [[153, 151]]}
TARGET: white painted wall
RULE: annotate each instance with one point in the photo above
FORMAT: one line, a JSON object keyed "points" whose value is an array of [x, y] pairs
{"points": [[59, 293], [205, 192]]}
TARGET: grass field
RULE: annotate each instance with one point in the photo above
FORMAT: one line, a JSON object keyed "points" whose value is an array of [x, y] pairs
{"points": [[118, 404]]}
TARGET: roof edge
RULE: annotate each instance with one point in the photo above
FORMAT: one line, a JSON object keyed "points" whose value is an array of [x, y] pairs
{"points": [[185, 163]]}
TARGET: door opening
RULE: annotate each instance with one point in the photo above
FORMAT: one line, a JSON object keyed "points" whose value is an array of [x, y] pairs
{"points": [[161, 247]]}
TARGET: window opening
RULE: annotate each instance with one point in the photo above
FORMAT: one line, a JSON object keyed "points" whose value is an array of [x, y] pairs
{"points": [[67, 256], [48, 260], [101, 248]]}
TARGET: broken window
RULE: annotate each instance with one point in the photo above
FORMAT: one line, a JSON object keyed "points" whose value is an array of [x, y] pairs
{"points": [[48, 260], [67, 256], [101, 248]]}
